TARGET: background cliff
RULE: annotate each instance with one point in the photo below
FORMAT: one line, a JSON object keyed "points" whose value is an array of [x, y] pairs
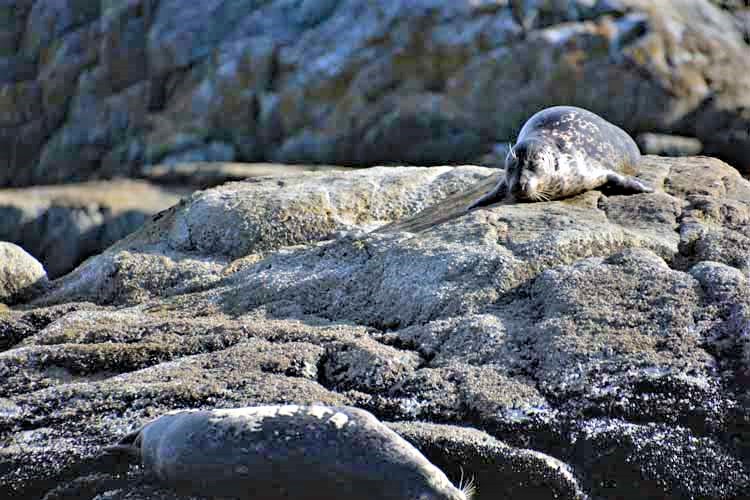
{"points": [[105, 88]]}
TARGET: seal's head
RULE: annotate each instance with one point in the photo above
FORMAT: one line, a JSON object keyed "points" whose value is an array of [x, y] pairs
{"points": [[532, 171]]}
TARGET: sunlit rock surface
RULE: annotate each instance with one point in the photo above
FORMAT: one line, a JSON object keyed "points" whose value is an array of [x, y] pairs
{"points": [[591, 346]]}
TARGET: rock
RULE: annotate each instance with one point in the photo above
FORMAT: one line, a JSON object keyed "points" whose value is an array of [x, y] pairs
{"points": [[368, 366], [271, 213], [595, 346], [201, 175], [496, 469], [668, 145], [22, 277], [658, 459], [16, 326], [353, 82], [63, 225]]}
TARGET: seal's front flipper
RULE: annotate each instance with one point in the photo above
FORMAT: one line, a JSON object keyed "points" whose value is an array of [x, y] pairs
{"points": [[627, 183], [497, 194]]}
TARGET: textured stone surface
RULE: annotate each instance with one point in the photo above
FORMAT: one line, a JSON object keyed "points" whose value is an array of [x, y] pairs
{"points": [[351, 82], [201, 175], [503, 471], [595, 346], [21, 276]]}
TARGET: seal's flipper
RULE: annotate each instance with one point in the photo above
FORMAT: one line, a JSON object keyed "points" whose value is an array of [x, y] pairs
{"points": [[129, 445], [123, 449], [627, 183], [497, 194]]}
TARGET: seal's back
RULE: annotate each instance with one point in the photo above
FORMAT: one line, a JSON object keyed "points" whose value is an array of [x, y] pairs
{"points": [[576, 129]]}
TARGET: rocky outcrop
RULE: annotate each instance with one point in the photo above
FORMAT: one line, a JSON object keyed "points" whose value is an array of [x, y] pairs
{"points": [[63, 225], [596, 345], [22, 277], [350, 81], [201, 175]]}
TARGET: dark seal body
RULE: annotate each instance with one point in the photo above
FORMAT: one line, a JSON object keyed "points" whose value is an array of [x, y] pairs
{"points": [[292, 452], [563, 151]]}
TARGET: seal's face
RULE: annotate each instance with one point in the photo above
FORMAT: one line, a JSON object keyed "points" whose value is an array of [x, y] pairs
{"points": [[532, 172]]}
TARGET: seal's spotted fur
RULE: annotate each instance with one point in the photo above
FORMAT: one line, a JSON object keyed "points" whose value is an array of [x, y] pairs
{"points": [[563, 151]]}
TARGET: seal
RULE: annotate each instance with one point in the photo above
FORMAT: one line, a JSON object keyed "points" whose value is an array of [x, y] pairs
{"points": [[285, 451], [563, 151]]}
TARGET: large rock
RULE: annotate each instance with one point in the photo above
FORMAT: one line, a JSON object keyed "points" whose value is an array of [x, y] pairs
{"points": [[351, 81], [63, 225], [201, 175], [199, 242], [600, 343], [21, 276]]}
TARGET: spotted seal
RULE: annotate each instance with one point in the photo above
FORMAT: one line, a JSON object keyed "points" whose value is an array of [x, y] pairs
{"points": [[563, 151], [285, 451]]}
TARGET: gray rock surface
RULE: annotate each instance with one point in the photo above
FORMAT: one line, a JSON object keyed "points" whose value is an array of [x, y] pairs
{"points": [[594, 346], [201, 175], [503, 471], [22, 277], [352, 82], [63, 225]]}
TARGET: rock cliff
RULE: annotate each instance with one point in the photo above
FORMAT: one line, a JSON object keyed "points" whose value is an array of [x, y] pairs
{"points": [[97, 89]]}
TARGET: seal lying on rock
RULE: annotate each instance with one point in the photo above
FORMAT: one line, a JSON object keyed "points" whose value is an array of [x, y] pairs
{"points": [[290, 451], [563, 151]]}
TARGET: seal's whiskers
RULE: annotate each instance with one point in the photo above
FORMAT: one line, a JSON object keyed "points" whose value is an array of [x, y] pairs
{"points": [[469, 488]]}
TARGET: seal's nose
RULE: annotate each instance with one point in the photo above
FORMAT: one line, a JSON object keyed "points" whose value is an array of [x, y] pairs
{"points": [[525, 186]]}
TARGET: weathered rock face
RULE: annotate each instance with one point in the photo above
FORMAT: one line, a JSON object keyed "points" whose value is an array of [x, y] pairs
{"points": [[21, 276], [600, 343], [63, 225], [201, 175], [350, 81]]}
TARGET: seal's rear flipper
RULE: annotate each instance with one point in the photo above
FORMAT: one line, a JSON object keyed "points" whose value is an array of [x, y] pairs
{"points": [[129, 445], [497, 194], [627, 183], [122, 449]]}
